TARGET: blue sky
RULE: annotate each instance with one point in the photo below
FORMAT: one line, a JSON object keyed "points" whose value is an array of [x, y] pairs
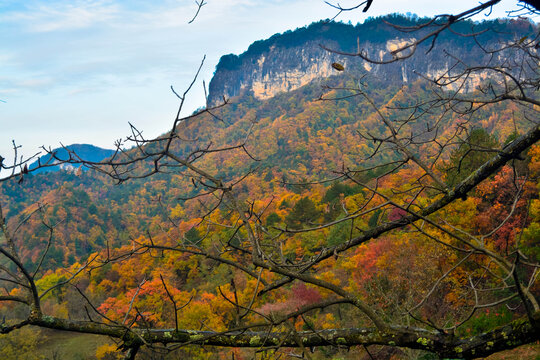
{"points": [[78, 71]]}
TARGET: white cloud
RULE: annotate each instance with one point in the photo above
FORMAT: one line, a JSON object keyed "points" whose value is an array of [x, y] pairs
{"points": [[18, 85], [61, 15], [34, 83], [8, 91]]}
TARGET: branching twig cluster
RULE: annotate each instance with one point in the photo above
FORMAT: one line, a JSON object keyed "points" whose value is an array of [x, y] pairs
{"points": [[235, 234]]}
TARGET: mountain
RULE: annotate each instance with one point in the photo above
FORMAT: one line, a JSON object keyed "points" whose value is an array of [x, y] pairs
{"points": [[293, 135], [293, 59], [84, 151], [283, 144]]}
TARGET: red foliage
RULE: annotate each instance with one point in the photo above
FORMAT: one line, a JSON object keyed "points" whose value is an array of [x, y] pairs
{"points": [[498, 197], [396, 214], [301, 296]]}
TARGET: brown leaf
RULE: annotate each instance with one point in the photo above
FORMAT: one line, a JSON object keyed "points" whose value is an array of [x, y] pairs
{"points": [[338, 66]]}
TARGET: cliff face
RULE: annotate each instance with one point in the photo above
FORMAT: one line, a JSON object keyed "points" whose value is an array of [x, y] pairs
{"points": [[288, 61], [274, 71]]}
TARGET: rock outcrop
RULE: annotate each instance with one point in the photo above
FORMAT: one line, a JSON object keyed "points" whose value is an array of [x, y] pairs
{"points": [[295, 58]]}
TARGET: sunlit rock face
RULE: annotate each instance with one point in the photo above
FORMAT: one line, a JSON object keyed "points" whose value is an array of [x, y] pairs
{"points": [[272, 79], [293, 59]]}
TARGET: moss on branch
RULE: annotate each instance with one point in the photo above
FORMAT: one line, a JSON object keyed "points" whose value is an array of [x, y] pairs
{"points": [[514, 334]]}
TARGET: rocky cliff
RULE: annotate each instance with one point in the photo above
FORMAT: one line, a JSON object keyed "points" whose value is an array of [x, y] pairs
{"points": [[290, 60]]}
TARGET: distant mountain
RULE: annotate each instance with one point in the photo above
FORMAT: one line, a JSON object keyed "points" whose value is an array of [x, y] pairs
{"points": [[84, 151]]}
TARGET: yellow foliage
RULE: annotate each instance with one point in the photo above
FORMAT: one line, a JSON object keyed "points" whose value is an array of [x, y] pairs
{"points": [[108, 352], [534, 165], [354, 202], [329, 321], [329, 277], [21, 344], [177, 212]]}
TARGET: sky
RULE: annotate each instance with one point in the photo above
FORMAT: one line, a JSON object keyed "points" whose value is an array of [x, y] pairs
{"points": [[80, 71]]}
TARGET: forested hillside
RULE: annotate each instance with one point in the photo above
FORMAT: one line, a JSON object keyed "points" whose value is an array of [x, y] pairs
{"points": [[295, 137], [356, 201]]}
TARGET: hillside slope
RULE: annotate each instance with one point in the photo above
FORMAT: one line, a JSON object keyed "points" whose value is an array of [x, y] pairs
{"points": [[294, 136]]}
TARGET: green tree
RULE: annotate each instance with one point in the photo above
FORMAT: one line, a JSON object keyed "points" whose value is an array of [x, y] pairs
{"points": [[303, 212], [474, 151]]}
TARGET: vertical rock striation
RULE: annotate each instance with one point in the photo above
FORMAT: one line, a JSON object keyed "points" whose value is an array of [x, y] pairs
{"points": [[290, 60]]}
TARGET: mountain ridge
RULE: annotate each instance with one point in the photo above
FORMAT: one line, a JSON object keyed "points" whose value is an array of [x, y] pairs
{"points": [[287, 61], [88, 152]]}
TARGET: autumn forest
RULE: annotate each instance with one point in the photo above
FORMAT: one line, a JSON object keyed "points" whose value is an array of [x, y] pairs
{"points": [[352, 217]]}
